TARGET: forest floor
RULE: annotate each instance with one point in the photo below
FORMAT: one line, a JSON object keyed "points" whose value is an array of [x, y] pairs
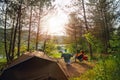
{"points": [[75, 69]]}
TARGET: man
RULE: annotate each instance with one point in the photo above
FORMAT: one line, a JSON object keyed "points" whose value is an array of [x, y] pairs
{"points": [[66, 57]]}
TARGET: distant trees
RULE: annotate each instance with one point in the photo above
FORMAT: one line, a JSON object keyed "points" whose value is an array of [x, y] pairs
{"points": [[74, 30], [16, 14], [97, 20], [12, 12], [41, 5], [103, 19], [78, 26]]}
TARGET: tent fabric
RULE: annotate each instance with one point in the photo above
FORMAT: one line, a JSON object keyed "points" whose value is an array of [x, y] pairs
{"points": [[33, 66]]}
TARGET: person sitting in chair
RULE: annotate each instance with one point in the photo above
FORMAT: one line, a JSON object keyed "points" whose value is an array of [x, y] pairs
{"points": [[80, 55]]}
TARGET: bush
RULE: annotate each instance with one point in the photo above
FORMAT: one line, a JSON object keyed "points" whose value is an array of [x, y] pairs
{"points": [[106, 69]]}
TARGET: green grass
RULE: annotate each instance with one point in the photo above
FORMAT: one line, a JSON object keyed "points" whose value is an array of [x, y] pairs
{"points": [[56, 55], [2, 60], [2, 63]]}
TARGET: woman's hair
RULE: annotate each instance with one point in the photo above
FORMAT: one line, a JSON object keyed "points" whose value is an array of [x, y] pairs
{"points": [[82, 51]]}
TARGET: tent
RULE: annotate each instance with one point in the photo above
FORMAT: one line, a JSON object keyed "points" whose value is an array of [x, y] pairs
{"points": [[33, 66]]}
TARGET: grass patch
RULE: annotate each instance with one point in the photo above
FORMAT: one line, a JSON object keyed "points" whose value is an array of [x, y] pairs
{"points": [[2, 60], [56, 55], [2, 63]]}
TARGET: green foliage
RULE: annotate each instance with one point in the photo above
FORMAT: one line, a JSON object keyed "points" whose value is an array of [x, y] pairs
{"points": [[115, 43], [106, 69], [2, 63], [96, 44], [56, 55], [82, 45], [89, 37], [23, 48], [2, 60], [59, 47], [2, 51], [50, 47], [71, 48]]}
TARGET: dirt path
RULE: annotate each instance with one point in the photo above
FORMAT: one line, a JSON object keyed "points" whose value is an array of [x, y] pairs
{"points": [[75, 69]]}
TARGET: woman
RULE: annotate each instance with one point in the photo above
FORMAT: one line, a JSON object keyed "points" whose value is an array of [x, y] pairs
{"points": [[80, 55]]}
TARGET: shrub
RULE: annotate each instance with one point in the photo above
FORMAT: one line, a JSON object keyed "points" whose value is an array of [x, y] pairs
{"points": [[106, 69]]}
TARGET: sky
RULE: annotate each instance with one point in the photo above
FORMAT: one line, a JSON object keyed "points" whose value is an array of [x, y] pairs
{"points": [[56, 22]]}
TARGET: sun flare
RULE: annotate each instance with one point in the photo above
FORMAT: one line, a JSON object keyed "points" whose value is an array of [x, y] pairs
{"points": [[56, 21], [56, 24]]}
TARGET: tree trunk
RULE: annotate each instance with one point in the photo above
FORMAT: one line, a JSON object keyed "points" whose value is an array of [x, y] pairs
{"points": [[14, 39], [75, 42], [44, 46], [19, 32], [38, 29], [106, 32], [105, 26], [11, 37], [29, 35], [5, 40], [86, 25]]}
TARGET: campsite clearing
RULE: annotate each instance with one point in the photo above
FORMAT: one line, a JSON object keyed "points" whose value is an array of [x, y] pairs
{"points": [[75, 69]]}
